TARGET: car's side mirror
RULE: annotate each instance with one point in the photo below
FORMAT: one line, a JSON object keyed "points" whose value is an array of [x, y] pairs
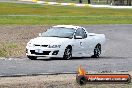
{"points": [[40, 34], [78, 37]]}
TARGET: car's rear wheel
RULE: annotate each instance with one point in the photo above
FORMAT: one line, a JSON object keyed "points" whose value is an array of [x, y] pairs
{"points": [[68, 53], [97, 51], [32, 57]]}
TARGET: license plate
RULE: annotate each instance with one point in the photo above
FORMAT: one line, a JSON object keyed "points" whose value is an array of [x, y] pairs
{"points": [[38, 51]]}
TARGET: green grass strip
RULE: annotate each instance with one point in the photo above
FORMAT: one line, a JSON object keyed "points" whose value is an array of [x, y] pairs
{"points": [[32, 14]]}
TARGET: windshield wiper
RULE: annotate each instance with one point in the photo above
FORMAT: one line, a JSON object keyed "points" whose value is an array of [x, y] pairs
{"points": [[54, 36], [51, 36], [68, 37], [59, 37]]}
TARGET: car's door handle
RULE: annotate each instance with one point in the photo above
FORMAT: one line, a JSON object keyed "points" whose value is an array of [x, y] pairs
{"points": [[80, 43]]}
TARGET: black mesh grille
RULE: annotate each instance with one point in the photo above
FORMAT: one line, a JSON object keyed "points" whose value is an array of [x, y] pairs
{"points": [[37, 45], [41, 45], [44, 45], [44, 52]]}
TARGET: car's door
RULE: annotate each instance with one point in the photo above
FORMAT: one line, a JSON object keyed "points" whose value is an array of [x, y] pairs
{"points": [[80, 42], [90, 43]]}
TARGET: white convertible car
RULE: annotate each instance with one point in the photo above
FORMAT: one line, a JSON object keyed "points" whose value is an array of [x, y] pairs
{"points": [[65, 41]]}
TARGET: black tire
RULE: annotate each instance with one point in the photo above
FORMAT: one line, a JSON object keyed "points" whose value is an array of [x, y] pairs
{"points": [[97, 51], [32, 57], [68, 53], [81, 80]]}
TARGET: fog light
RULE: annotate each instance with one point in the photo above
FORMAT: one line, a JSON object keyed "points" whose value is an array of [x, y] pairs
{"points": [[55, 52], [26, 50]]}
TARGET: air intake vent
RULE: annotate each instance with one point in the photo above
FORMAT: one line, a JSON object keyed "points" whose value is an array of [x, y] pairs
{"points": [[41, 45], [44, 45], [37, 45]]}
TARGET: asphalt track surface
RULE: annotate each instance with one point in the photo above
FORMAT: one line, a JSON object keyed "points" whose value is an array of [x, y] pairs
{"points": [[116, 56]]}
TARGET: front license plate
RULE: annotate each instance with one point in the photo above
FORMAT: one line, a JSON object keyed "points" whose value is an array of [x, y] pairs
{"points": [[38, 51]]}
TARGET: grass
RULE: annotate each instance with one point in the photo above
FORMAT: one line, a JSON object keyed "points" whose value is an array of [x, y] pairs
{"points": [[27, 14], [65, 20], [7, 49]]}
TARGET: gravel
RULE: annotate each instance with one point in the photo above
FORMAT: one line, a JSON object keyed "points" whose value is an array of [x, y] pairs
{"points": [[119, 38], [18, 36], [52, 81]]}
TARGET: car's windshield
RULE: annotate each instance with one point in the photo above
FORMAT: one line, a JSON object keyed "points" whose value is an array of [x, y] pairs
{"points": [[59, 32]]}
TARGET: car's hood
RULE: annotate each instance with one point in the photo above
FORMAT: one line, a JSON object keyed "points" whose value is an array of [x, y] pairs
{"points": [[48, 40]]}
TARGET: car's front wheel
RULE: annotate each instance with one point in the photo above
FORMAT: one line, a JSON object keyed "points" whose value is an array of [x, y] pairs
{"points": [[32, 57], [97, 51], [67, 53]]}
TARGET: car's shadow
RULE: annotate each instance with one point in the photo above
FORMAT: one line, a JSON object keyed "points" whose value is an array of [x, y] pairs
{"points": [[83, 58], [73, 58]]}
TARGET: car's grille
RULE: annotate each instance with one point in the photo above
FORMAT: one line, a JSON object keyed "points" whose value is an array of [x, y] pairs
{"points": [[41, 45], [44, 52], [37, 45], [44, 45]]}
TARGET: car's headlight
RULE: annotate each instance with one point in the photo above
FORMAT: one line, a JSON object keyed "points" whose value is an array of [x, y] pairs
{"points": [[54, 46], [30, 44]]}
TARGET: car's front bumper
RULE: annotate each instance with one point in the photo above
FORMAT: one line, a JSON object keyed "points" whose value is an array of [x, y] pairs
{"points": [[44, 52]]}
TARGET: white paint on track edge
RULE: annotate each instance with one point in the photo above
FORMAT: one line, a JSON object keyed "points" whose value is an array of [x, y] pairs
{"points": [[61, 73], [37, 74], [70, 4], [84, 5]]}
